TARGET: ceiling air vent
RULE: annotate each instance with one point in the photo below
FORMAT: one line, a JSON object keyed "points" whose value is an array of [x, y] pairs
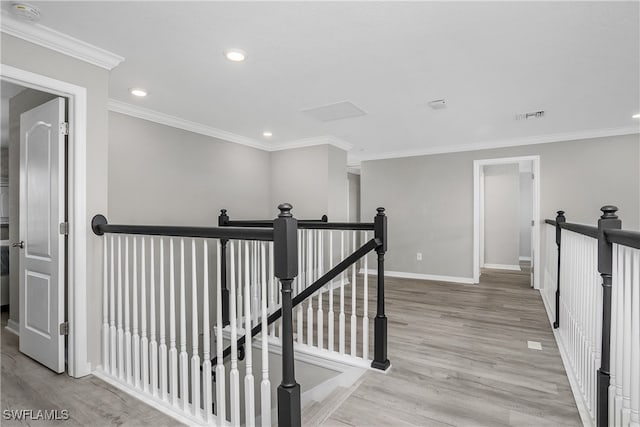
{"points": [[337, 111], [530, 116]]}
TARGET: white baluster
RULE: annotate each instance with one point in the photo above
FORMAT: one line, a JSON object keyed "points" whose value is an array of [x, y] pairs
{"points": [[330, 316], [626, 340], [240, 305], [309, 282], [301, 286], [183, 358], [112, 315], [207, 379], [105, 306], [255, 284], [234, 376], [619, 318], [164, 382], [634, 374], [120, 330], [153, 344], [220, 376], [272, 288], [195, 357], [341, 336], [136, 337], [249, 403], [127, 331], [144, 341], [265, 385], [320, 273], [365, 316], [354, 324], [173, 352]]}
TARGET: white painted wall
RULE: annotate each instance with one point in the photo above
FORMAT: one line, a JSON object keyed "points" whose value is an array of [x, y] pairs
{"points": [[526, 213], [501, 215]]}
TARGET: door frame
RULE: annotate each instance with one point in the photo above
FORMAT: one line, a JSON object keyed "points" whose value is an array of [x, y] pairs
{"points": [[77, 343], [478, 207]]}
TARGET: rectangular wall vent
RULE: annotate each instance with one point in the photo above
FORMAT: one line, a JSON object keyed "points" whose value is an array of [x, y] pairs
{"points": [[531, 115]]}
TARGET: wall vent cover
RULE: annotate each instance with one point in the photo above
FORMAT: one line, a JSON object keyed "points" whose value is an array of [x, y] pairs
{"points": [[337, 111], [531, 115]]}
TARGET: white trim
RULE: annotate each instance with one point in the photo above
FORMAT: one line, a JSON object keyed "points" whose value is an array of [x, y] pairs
{"points": [[59, 42], [164, 407], [524, 258], [77, 364], [503, 267], [573, 381], [202, 129], [486, 145], [535, 234], [176, 122], [310, 142], [420, 276], [13, 327]]}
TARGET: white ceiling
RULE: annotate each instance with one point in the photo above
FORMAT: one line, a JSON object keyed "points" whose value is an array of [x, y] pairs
{"points": [[578, 61]]}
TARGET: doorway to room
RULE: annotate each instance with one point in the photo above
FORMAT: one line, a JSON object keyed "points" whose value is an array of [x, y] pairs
{"points": [[506, 205]]}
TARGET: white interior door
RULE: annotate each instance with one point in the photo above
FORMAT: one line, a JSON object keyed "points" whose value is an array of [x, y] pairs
{"points": [[42, 210]]}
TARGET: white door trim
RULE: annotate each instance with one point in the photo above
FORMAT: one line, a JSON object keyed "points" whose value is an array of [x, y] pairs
{"points": [[477, 166], [77, 360]]}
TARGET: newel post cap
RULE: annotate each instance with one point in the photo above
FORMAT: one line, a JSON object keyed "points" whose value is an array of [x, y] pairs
{"points": [[609, 212], [380, 211], [223, 211], [285, 210]]}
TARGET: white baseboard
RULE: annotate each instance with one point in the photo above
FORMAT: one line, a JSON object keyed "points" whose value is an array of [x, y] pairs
{"points": [[13, 327], [525, 258], [419, 276], [502, 267]]}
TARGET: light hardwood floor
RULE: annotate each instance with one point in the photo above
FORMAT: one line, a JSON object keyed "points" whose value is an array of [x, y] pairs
{"points": [[459, 356]]}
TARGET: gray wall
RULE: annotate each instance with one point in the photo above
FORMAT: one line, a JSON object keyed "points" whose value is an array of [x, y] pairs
{"points": [[429, 199], [312, 179], [354, 198], [168, 176], [526, 213], [39, 60], [300, 177], [501, 214], [24, 101]]}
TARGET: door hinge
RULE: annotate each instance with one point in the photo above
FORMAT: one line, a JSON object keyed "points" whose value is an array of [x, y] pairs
{"points": [[533, 223], [64, 228], [64, 328], [64, 128], [533, 176]]}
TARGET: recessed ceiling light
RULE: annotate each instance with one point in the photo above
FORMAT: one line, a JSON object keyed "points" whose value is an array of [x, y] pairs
{"points": [[267, 134], [235, 55], [636, 116], [25, 11], [136, 91]]}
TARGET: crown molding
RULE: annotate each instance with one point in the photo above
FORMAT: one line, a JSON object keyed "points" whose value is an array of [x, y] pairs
{"points": [[177, 122], [199, 128], [59, 42], [514, 142], [310, 142]]}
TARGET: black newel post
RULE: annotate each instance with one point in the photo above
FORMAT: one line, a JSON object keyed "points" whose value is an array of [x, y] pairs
{"points": [[222, 221], [380, 360], [608, 220], [560, 218], [285, 243]]}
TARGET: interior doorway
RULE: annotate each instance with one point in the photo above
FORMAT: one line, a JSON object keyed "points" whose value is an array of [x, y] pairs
{"points": [[506, 206], [77, 364], [34, 152]]}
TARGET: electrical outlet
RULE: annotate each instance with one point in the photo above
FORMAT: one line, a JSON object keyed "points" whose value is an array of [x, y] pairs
{"points": [[419, 256]]}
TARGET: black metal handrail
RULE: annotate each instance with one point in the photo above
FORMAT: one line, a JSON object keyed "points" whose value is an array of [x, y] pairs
{"points": [[99, 225], [304, 224], [307, 292]]}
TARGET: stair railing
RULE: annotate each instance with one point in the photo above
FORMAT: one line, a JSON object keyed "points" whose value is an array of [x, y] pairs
{"points": [[314, 283], [597, 314]]}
